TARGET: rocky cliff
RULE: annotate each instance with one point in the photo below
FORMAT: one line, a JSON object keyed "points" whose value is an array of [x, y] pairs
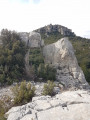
{"points": [[69, 105], [61, 55], [55, 28]]}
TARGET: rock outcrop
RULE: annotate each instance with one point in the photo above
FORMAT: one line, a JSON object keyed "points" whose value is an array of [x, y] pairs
{"points": [[55, 28], [61, 55], [32, 39], [70, 105]]}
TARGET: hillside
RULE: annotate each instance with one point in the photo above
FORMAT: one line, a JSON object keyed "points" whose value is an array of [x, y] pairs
{"points": [[50, 68], [52, 33], [49, 34]]}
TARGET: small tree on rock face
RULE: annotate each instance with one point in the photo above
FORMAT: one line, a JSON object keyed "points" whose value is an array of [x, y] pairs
{"points": [[49, 88], [23, 93]]}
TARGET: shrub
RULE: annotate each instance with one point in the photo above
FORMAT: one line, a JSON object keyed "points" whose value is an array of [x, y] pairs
{"points": [[23, 93], [46, 72], [41, 70], [35, 57], [48, 88], [2, 110], [5, 104], [12, 53]]}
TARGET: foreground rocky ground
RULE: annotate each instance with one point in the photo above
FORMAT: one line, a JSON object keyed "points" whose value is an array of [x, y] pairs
{"points": [[7, 91], [65, 105], [69, 105]]}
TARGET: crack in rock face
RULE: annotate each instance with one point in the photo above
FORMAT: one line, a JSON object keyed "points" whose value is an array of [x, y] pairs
{"points": [[68, 105]]}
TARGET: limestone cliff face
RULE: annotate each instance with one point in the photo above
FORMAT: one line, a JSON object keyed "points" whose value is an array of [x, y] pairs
{"points": [[55, 28], [61, 55], [32, 39]]}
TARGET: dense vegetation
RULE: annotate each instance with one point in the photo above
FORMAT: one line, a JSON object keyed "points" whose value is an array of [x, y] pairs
{"points": [[41, 70], [12, 54], [82, 51], [12, 64], [81, 46], [23, 93], [51, 37]]}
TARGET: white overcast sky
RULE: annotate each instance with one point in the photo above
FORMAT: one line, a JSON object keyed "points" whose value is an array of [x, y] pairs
{"points": [[27, 15]]}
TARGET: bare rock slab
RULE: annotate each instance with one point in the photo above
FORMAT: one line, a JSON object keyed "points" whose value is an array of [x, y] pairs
{"points": [[69, 105]]}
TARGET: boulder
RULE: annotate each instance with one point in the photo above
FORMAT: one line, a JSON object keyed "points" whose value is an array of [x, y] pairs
{"points": [[61, 55], [32, 39], [69, 105]]}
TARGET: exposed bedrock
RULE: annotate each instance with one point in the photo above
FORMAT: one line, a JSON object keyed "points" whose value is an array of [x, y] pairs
{"points": [[32, 39], [61, 55], [70, 105]]}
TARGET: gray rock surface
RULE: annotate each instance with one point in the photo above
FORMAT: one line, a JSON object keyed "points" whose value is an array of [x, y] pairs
{"points": [[55, 28], [69, 105], [61, 55], [32, 39]]}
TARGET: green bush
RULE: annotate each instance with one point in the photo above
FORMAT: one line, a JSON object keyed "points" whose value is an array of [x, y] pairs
{"points": [[52, 37], [2, 110], [41, 70], [48, 88], [4, 102], [23, 93], [35, 57], [46, 72], [12, 53], [82, 51]]}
